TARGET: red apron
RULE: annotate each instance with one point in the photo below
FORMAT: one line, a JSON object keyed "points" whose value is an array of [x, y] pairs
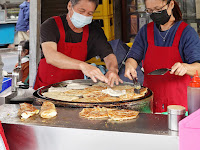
{"points": [[3, 141], [168, 89], [48, 74]]}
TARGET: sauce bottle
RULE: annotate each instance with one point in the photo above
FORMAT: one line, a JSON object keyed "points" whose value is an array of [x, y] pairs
{"points": [[193, 94]]}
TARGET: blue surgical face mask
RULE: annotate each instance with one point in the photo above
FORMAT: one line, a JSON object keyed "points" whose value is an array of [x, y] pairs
{"points": [[79, 20]]}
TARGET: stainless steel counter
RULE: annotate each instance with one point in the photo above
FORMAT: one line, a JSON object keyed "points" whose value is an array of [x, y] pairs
{"points": [[69, 130], [21, 95]]}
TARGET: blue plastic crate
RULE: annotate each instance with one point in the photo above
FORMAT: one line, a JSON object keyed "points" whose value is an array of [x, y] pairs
{"points": [[7, 82]]}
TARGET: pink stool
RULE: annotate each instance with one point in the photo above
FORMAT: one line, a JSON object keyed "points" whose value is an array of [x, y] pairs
{"points": [[189, 132]]}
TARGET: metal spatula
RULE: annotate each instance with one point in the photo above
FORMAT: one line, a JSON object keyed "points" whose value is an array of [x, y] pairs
{"points": [[136, 85], [161, 71]]}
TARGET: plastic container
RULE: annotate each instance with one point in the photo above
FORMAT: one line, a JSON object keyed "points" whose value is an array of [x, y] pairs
{"points": [[175, 114], [193, 94], [105, 8], [7, 82], [107, 24]]}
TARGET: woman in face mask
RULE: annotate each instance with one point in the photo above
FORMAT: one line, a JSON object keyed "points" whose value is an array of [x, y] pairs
{"points": [[68, 41], [167, 42]]}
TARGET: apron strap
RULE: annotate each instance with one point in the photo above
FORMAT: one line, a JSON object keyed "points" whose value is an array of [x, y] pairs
{"points": [[150, 33], [60, 27], [178, 34], [85, 33]]}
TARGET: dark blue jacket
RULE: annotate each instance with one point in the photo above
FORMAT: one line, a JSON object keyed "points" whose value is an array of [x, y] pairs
{"points": [[23, 18]]}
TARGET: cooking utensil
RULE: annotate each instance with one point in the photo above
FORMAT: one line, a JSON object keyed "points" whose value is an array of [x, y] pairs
{"points": [[161, 71], [143, 104], [137, 86], [123, 62], [135, 82]]}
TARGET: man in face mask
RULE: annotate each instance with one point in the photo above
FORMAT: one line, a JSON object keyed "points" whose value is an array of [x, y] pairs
{"points": [[167, 42], [68, 41]]}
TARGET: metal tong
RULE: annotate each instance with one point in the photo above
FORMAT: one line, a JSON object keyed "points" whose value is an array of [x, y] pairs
{"points": [[136, 84]]}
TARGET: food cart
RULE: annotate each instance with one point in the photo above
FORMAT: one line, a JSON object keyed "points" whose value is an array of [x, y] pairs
{"points": [[68, 131]]}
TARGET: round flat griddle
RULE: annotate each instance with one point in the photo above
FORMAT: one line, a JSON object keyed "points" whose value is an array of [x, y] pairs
{"points": [[143, 104]]}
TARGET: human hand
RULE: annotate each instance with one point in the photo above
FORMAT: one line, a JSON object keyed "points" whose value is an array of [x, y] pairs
{"points": [[113, 78], [93, 72], [27, 31], [179, 69], [130, 71]]}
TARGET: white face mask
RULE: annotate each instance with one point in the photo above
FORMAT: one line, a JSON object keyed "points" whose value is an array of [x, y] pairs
{"points": [[79, 20]]}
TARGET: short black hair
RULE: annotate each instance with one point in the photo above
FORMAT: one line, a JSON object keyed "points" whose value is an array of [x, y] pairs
{"points": [[74, 2], [25, 45]]}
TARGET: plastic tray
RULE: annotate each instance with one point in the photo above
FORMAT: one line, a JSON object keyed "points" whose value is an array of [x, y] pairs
{"points": [[7, 82]]}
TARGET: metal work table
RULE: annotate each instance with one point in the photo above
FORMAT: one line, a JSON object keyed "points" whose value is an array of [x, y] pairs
{"points": [[6, 95], [21, 95], [69, 131]]}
